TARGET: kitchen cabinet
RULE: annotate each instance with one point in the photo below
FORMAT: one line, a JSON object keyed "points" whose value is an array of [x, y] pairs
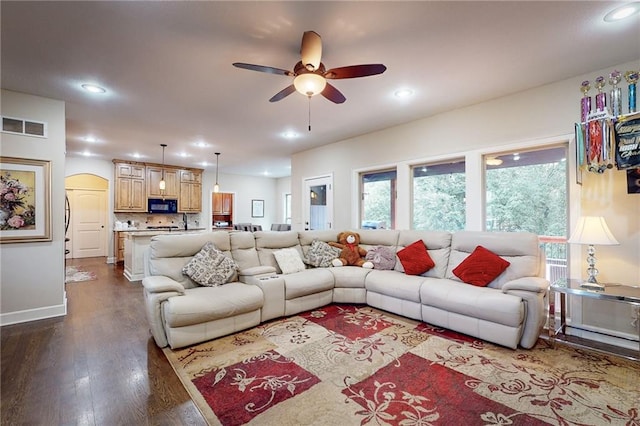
{"points": [[222, 203], [190, 199], [118, 246], [130, 188], [171, 179]]}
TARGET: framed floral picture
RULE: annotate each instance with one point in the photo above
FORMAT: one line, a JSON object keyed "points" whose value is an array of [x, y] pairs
{"points": [[25, 200]]}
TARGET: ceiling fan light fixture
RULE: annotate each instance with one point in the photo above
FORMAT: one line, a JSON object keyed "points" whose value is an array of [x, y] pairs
{"points": [[309, 84]]}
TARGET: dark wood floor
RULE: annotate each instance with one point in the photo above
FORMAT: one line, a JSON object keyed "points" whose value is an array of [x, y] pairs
{"points": [[96, 366]]}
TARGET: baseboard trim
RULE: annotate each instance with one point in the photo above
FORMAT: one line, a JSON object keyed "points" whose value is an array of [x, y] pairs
{"points": [[34, 314], [111, 259]]}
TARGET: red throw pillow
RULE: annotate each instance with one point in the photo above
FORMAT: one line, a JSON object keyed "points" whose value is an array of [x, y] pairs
{"points": [[481, 267], [415, 259]]}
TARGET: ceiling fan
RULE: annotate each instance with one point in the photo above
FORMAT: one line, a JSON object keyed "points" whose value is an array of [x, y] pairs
{"points": [[310, 75]]}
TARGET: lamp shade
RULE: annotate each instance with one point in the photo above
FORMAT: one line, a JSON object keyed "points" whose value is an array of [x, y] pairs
{"points": [[592, 230]]}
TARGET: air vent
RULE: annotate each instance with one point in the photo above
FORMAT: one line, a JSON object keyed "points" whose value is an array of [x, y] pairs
{"points": [[20, 126]]}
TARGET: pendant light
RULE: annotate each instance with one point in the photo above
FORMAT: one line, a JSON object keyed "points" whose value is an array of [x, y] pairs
{"points": [[163, 184], [216, 187]]}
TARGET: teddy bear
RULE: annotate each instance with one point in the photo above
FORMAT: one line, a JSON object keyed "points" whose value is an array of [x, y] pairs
{"points": [[352, 253]]}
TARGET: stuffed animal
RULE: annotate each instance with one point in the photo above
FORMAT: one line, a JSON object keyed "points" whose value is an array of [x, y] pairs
{"points": [[352, 253]]}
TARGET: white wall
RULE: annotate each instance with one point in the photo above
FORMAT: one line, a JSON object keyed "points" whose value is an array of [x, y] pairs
{"points": [[32, 275]]}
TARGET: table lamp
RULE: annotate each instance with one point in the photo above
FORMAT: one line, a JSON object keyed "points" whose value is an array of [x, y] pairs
{"points": [[592, 230]]}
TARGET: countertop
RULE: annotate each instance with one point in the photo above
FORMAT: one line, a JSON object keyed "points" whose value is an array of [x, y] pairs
{"points": [[146, 232]]}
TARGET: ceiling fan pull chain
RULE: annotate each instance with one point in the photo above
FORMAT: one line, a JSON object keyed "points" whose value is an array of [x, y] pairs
{"points": [[309, 113]]}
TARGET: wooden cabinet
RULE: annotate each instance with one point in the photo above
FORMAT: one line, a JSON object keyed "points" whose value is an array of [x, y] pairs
{"points": [[118, 246], [130, 188], [222, 203], [172, 182], [190, 199]]}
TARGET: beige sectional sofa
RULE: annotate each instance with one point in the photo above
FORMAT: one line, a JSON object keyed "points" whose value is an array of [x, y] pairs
{"points": [[510, 311]]}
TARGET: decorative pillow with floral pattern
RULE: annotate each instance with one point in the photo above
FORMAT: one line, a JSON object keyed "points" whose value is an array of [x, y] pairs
{"points": [[321, 254], [210, 267]]}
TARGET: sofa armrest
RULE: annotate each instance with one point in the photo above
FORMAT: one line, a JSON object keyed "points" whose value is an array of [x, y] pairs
{"points": [[533, 291], [161, 284], [256, 271], [535, 284]]}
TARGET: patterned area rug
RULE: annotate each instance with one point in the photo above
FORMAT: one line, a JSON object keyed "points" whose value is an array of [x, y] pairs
{"points": [[75, 274], [355, 365]]}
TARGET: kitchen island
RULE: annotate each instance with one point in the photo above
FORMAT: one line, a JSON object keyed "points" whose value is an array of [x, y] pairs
{"points": [[136, 242]]}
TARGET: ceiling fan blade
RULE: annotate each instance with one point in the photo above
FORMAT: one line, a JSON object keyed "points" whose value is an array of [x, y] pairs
{"points": [[354, 71], [333, 94], [311, 50], [262, 68], [283, 93]]}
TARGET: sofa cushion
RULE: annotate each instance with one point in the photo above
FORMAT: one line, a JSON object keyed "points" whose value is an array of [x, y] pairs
{"points": [[382, 257], [481, 267], [415, 259], [203, 304], [391, 283], [483, 303], [210, 267], [309, 281], [289, 260], [349, 276], [320, 254]]}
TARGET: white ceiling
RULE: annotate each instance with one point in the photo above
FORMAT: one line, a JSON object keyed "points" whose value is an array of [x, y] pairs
{"points": [[169, 79]]}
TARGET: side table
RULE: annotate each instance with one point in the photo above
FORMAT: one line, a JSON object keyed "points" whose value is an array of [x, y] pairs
{"points": [[615, 292]]}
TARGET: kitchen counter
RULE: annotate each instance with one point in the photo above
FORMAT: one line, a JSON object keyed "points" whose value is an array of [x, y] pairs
{"points": [[136, 242]]}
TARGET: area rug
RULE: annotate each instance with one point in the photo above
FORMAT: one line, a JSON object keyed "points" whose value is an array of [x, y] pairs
{"points": [[355, 365], [76, 274]]}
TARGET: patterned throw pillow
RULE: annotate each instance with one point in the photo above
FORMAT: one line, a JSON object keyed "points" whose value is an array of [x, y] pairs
{"points": [[321, 254], [289, 260], [210, 267], [382, 257], [481, 267]]}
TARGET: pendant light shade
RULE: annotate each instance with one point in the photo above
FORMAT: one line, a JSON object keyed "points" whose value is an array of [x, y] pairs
{"points": [[216, 187], [163, 184]]}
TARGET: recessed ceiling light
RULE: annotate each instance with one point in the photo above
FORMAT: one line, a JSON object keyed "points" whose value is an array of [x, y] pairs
{"points": [[622, 12], [93, 88], [90, 139], [135, 155], [201, 144], [403, 93], [86, 154], [290, 135]]}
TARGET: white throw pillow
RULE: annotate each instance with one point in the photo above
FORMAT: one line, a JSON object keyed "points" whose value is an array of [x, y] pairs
{"points": [[210, 267], [289, 260]]}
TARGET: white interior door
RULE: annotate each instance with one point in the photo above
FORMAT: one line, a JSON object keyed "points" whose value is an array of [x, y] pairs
{"points": [[318, 204], [88, 223]]}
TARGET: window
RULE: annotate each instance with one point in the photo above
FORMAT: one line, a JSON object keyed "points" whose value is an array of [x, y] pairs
{"points": [[378, 207], [527, 191], [439, 196], [287, 208]]}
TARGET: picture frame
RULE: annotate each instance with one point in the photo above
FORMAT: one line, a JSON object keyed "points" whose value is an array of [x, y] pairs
{"points": [[257, 208], [25, 200]]}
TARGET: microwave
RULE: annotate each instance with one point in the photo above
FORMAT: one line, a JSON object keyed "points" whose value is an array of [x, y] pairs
{"points": [[158, 205]]}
